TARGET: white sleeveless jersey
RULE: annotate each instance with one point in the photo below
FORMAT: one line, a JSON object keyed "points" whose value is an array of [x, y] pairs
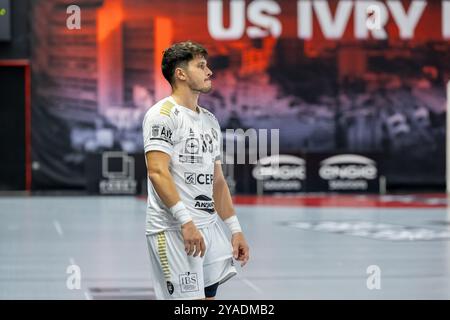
{"points": [[193, 141]]}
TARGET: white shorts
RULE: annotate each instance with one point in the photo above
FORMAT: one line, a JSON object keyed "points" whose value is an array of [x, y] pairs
{"points": [[179, 276]]}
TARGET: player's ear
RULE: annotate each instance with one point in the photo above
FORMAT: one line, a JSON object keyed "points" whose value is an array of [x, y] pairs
{"points": [[180, 73]]}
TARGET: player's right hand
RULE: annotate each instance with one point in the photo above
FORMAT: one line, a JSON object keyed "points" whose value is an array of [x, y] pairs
{"points": [[193, 240]]}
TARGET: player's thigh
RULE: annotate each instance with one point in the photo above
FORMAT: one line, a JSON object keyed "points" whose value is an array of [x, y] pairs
{"points": [[218, 266], [175, 274]]}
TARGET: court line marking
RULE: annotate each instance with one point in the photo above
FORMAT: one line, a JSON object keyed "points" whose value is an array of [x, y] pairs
{"points": [[250, 284], [58, 228]]}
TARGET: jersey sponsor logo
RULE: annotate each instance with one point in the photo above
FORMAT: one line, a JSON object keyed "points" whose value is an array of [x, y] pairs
{"points": [[160, 132], [170, 287], [204, 203], [192, 146], [189, 178], [201, 178], [155, 131], [189, 282], [190, 158]]}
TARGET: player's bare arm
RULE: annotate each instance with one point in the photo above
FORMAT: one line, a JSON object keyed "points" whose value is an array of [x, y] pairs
{"points": [[159, 174], [224, 207]]}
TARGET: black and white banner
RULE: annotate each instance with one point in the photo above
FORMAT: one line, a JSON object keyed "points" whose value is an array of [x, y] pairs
{"points": [[115, 173], [343, 173], [280, 173], [312, 172]]}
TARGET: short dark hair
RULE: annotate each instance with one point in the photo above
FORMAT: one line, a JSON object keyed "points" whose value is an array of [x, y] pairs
{"points": [[180, 53]]}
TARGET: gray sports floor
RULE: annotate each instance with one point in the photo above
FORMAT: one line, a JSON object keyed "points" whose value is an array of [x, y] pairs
{"points": [[296, 252]]}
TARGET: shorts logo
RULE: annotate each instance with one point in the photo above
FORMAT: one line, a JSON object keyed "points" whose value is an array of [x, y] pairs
{"points": [[201, 178], [189, 282], [170, 287], [204, 203]]}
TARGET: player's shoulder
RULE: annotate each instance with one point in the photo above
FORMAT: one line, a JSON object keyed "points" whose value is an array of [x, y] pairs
{"points": [[210, 115], [163, 108]]}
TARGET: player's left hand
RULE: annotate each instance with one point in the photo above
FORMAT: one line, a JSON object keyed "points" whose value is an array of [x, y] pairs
{"points": [[240, 248]]}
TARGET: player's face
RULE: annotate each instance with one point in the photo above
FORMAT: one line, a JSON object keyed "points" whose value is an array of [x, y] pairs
{"points": [[199, 75]]}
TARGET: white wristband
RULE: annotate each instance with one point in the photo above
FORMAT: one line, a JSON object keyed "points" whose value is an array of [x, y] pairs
{"points": [[180, 213], [233, 224]]}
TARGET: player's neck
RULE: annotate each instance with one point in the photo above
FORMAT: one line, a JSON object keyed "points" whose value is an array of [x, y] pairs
{"points": [[186, 99]]}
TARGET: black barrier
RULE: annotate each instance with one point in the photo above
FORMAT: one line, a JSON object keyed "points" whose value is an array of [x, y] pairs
{"points": [[230, 309], [13, 138], [310, 172], [5, 20], [115, 172]]}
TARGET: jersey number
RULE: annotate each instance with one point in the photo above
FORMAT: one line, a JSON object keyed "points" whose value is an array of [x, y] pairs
{"points": [[207, 145]]}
